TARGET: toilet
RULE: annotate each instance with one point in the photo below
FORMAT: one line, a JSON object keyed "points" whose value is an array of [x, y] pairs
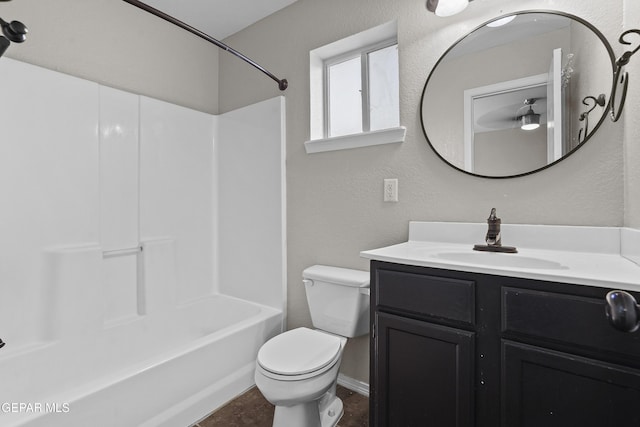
{"points": [[297, 371]]}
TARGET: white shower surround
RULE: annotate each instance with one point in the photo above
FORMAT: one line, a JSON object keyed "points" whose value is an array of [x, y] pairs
{"points": [[87, 169]]}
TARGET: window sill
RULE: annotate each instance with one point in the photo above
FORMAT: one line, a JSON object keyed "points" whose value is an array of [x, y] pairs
{"points": [[378, 137]]}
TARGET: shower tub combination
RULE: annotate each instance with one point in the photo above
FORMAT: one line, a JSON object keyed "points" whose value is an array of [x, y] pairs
{"points": [[134, 291], [165, 370]]}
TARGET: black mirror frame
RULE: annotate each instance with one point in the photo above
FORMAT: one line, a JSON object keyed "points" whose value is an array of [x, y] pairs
{"points": [[609, 50]]}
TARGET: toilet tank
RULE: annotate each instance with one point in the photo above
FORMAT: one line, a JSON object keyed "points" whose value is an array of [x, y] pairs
{"points": [[338, 299]]}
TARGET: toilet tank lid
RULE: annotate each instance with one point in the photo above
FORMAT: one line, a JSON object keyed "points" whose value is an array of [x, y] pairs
{"points": [[338, 275]]}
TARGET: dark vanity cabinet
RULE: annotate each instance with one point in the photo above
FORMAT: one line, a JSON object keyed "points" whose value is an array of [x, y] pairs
{"points": [[459, 349]]}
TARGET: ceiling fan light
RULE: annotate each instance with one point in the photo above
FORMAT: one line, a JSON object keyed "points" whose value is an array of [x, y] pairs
{"points": [[530, 121], [446, 7]]}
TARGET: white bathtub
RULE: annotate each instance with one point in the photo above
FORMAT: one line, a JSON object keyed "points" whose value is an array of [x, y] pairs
{"points": [[165, 369]]}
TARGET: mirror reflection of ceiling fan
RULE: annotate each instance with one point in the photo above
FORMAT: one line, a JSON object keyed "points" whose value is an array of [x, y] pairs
{"points": [[507, 110]]}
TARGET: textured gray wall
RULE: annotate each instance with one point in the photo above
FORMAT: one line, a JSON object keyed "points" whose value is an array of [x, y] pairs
{"points": [[118, 45], [631, 121], [335, 208]]}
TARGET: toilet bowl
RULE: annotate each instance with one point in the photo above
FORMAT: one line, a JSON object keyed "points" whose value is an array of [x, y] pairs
{"points": [[297, 371]]}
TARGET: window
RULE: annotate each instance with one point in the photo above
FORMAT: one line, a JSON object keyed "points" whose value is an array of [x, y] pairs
{"points": [[361, 91], [354, 91]]}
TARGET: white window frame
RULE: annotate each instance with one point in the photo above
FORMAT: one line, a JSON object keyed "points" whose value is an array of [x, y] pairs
{"points": [[357, 45], [364, 89]]}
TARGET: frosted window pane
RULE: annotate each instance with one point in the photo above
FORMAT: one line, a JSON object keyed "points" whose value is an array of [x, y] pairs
{"points": [[384, 88], [345, 99]]}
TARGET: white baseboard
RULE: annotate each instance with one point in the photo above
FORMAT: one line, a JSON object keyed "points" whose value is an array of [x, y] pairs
{"points": [[359, 387]]}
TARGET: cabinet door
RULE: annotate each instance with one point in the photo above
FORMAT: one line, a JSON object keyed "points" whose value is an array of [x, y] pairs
{"points": [[552, 389], [423, 374]]}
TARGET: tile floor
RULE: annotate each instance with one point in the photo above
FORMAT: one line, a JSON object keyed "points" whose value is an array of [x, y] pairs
{"points": [[251, 409]]}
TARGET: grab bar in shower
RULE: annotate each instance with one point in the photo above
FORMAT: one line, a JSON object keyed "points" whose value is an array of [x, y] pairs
{"points": [[121, 252], [282, 83]]}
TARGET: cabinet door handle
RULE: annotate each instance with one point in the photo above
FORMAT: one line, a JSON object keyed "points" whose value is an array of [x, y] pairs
{"points": [[623, 311]]}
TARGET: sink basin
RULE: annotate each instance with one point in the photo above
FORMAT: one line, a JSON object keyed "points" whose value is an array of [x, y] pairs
{"points": [[498, 260]]}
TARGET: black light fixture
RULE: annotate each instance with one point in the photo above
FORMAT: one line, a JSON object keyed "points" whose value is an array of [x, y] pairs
{"points": [[14, 31], [447, 7]]}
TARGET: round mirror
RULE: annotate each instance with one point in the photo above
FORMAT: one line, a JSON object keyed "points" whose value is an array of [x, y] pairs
{"points": [[518, 94]]}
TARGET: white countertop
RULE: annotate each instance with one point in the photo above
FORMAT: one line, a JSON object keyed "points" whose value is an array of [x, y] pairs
{"points": [[594, 256]]}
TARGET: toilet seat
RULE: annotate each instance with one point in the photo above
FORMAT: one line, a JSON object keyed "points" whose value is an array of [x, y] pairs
{"points": [[298, 354]]}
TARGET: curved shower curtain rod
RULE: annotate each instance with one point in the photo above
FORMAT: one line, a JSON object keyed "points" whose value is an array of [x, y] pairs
{"points": [[282, 83]]}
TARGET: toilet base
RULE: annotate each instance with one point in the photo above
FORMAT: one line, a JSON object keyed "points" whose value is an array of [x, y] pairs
{"points": [[331, 413], [317, 413], [303, 414]]}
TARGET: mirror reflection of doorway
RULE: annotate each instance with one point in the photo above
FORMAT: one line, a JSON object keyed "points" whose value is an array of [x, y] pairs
{"points": [[494, 141]]}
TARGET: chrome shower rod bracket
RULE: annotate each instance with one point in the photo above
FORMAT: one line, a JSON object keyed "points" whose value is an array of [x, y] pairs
{"points": [[282, 83]]}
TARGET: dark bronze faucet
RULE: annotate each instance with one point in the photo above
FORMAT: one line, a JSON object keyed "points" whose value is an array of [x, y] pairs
{"points": [[493, 237]]}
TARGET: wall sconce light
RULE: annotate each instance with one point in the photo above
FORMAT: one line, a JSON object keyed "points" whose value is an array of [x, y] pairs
{"points": [[447, 7]]}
